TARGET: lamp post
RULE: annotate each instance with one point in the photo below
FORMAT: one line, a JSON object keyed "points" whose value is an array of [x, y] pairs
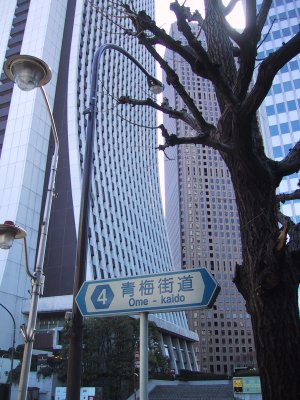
{"points": [[29, 73], [75, 352], [12, 349]]}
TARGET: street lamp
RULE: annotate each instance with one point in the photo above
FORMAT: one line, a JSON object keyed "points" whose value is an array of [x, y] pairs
{"points": [[8, 233], [75, 352], [12, 349], [29, 73]]}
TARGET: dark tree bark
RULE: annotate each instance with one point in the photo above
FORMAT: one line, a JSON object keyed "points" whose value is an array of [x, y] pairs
{"points": [[268, 278]]}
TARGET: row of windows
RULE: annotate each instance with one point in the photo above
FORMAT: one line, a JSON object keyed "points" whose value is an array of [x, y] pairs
{"points": [[228, 316], [282, 2], [218, 368], [282, 33], [285, 128], [285, 86], [217, 320], [225, 350], [278, 108], [279, 151]]}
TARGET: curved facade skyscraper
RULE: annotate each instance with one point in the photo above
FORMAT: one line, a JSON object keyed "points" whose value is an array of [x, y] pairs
{"points": [[127, 233]]}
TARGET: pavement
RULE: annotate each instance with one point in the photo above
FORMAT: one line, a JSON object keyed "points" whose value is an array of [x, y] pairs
{"points": [[192, 392]]}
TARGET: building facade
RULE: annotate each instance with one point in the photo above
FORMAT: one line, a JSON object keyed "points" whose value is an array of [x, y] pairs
{"points": [[280, 113], [127, 233], [203, 226]]}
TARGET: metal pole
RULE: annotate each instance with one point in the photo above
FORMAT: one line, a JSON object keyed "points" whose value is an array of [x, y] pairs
{"points": [[12, 349], [134, 383], [75, 350], [144, 356], [38, 276]]}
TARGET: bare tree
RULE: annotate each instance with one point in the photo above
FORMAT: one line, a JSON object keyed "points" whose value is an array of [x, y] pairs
{"points": [[268, 278]]}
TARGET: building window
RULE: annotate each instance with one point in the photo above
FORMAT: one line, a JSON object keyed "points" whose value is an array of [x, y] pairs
{"points": [[277, 151]]}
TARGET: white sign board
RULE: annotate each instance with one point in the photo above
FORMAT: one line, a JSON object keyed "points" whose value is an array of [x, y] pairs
{"points": [[169, 291]]}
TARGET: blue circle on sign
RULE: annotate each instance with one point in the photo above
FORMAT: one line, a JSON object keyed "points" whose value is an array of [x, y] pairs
{"points": [[102, 297]]}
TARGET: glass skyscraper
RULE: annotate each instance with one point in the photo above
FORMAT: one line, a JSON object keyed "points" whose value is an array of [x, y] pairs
{"points": [[280, 113]]}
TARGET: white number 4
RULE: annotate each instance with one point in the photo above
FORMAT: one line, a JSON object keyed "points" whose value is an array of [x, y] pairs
{"points": [[102, 297]]}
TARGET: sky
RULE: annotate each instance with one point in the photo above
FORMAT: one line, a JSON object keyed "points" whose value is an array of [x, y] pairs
{"points": [[164, 18]]}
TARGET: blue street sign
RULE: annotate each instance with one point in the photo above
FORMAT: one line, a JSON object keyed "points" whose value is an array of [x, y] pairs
{"points": [[169, 291]]}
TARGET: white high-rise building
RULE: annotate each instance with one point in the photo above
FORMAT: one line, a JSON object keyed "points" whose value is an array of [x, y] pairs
{"points": [[127, 233]]}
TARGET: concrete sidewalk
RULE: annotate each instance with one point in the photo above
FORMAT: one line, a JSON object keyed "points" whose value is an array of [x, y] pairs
{"points": [[193, 390]]}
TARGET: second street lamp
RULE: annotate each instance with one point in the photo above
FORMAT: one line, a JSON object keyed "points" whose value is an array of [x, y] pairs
{"points": [[75, 353], [29, 73]]}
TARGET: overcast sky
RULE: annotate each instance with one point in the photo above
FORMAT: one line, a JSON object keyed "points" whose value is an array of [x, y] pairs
{"points": [[164, 17]]}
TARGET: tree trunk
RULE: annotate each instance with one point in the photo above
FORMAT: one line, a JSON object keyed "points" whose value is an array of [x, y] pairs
{"points": [[268, 282], [275, 322], [268, 278]]}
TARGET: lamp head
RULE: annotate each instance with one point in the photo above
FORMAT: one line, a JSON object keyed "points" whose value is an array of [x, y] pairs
{"points": [[155, 86], [8, 232], [27, 71]]}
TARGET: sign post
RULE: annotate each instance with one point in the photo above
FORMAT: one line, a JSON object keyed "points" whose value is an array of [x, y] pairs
{"points": [[136, 367], [144, 356], [143, 294]]}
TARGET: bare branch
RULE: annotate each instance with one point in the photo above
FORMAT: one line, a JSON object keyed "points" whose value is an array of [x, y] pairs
{"points": [[181, 115], [267, 34], [142, 22], [294, 235], [173, 79], [240, 280], [250, 16], [111, 16], [291, 163], [173, 140], [248, 51], [230, 6], [266, 73], [293, 245], [171, 76], [196, 17], [196, 56], [166, 155], [233, 33], [262, 15], [185, 28], [283, 197], [284, 220], [211, 69]]}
